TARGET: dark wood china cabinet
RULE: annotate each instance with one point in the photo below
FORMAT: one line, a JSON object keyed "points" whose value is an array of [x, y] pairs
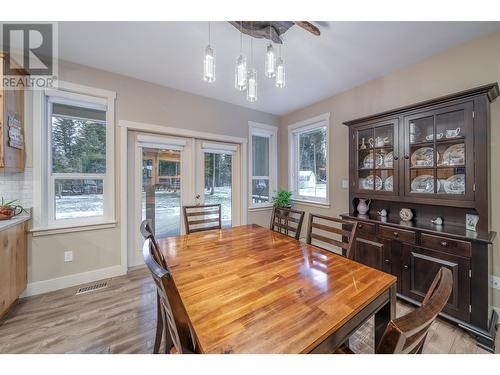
{"points": [[434, 159]]}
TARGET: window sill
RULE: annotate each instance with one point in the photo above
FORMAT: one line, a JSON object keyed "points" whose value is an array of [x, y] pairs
{"points": [[260, 208], [311, 203], [70, 228]]}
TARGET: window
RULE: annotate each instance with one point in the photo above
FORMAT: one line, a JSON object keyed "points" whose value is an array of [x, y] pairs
{"points": [[263, 164], [308, 160], [76, 159]]}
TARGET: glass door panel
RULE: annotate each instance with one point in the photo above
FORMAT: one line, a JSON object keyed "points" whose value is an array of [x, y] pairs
{"points": [[218, 185], [161, 190], [376, 158], [437, 142]]}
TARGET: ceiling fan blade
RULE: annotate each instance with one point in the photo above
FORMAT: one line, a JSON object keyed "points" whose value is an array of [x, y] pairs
{"points": [[309, 27]]}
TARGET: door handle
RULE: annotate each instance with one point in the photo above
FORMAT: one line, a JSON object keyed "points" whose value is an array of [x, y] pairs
{"points": [[396, 234], [406, 267], [387, 261]]}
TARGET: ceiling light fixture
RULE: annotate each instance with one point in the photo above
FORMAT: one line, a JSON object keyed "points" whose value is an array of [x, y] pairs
{"points": [[240, 73], [209, 61], [252, 78], [280, 71], [270, 60]]}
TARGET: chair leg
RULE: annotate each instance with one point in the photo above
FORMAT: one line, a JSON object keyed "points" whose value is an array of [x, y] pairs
{"points": [[159, 326]]}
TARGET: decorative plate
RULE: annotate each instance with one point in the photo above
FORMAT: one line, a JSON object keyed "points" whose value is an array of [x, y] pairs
{"points": [[455, 184], [424, 184], [423, 157], [389, 183], [389, 160], [368, 161], [362, 184], [454, 155], [368, 183]]}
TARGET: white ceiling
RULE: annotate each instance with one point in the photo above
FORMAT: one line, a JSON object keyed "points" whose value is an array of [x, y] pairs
{"points": [[344, 56]]}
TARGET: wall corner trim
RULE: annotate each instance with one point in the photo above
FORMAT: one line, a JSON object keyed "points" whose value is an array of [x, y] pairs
{"points": [[45, 286]]}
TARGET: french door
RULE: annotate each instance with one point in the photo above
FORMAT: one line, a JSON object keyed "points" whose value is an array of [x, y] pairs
{"points": [[170, 172]]}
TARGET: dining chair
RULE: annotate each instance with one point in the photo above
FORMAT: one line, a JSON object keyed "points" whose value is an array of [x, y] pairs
{"points": [[174, 315], [200, 218], [286, 220], [341, 233], [407, 334], [147, 233]]}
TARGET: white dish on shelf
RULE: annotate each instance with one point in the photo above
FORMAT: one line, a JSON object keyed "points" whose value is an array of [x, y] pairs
{"points": [[454, 155], [455, 184], [423, 157], [389, 183], [424, 184], [368, 161], [367, 183], [389, 160]]}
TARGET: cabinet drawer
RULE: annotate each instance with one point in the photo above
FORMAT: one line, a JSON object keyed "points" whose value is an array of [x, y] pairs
{"points": [[365, 230], [397, 234], [448, 245]]}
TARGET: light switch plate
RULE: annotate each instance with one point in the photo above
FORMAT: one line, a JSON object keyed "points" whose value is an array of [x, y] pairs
{"points": [[68, 256], [495, 282], [345, 184]]}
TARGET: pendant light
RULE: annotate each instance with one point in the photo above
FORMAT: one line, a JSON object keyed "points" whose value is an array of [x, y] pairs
{"points": [[270, 61], [280, 72], [209, 61], [252, 78], [240, 72]]}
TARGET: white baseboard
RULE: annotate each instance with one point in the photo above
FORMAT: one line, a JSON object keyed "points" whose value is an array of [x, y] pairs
{"points": [[50, 285]]}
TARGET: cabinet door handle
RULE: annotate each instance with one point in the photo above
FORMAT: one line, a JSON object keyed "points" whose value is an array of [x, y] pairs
{"points": [[396, 234], [405, 267], [396, 157], [444, 244], [407, 157], [387, 261], [360, 226]]}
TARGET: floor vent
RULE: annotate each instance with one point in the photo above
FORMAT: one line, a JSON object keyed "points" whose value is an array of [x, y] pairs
{"points": [[92, 288]]}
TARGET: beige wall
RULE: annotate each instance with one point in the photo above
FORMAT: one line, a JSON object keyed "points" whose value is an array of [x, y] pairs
{"points": [[464, 67], [142, 102]]}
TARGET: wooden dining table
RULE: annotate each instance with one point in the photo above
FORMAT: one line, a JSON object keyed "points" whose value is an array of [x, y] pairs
{"points": [[248, 289]]}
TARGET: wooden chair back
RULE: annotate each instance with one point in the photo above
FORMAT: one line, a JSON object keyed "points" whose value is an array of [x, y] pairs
{"points": [[287, 221], [406, 335], [337, 233], [147, 233], [200, 218], [175, 315]]}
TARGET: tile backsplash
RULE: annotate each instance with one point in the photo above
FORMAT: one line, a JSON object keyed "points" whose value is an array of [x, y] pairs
{"points": [[18, 186]]}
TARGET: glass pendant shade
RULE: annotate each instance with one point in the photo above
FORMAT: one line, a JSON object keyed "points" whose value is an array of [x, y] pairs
{"points": [[270, 64], [280, 73], [209, 65], [240, 73], [252, 85]]}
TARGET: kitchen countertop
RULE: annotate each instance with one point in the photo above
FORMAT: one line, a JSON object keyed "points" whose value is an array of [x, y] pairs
{"points": [[6, 224]]}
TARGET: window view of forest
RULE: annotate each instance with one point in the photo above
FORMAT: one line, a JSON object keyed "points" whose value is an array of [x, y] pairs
{"points": [[78, 147], [312, 163]]}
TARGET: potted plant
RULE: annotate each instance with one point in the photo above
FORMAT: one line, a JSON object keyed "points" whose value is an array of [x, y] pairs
{"points": [[283, 198], [8, 209]]}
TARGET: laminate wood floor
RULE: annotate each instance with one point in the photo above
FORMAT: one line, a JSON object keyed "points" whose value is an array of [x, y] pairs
{"points": [[122, 319]]}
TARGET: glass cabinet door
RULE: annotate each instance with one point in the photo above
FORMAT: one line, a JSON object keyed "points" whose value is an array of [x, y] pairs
{"points": [[438, 152], [376, 158]]}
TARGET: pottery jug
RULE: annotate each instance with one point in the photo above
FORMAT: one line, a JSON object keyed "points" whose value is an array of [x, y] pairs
{"points": [[364, 206]]}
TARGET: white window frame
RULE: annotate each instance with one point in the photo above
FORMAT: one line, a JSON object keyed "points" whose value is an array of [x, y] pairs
{"points": [[321, 121], [44, 197], [271, 132]]}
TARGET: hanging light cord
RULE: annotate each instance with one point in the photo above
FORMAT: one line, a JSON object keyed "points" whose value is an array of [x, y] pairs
{"points": [[209, 39]]}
